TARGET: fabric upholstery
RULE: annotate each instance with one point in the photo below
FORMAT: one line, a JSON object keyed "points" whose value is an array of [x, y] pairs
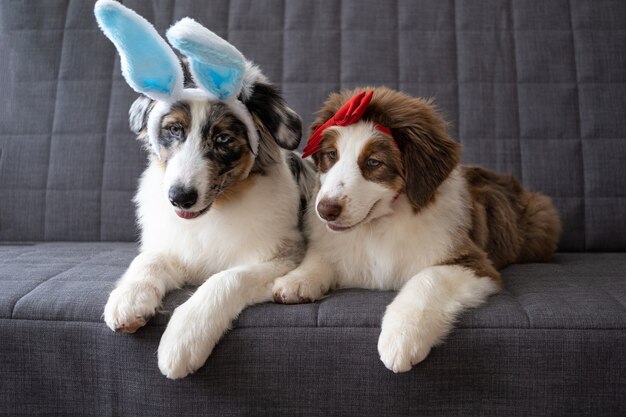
{"points": [[533, 88], [71, 282], [326, 371], [549, 344]]}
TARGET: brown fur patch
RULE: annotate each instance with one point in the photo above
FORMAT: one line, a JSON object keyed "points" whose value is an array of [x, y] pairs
{"points": [[179, 114], [243, 165], [233, 158], [234, 191], [429, 154], [390, 170], [510, 223], [230, 178], [542, 228], [328, 155], [472, 257]]}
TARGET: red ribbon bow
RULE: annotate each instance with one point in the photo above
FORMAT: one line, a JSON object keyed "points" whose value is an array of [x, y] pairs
{"points": [[351, 112]]}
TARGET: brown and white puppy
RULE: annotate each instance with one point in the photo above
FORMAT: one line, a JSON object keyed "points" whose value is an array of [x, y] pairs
{"points": [[398, 212]]}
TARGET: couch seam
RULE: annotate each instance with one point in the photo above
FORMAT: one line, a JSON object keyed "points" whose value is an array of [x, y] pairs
{"points": [[34, 288], [282, 51], [521, 306], [56, 107], [458, 82], [520, 159], [162, 326], [43, 282], [613, 297], [340, 48], [398, 49], [228, 15], [106, 139], [580, 136], [317, 315]]}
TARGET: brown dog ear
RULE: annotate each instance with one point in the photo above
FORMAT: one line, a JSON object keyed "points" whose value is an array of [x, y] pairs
{"points": [[429, 156], [321, 118]]}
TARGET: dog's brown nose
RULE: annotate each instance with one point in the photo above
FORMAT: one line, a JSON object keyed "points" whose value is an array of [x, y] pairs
{"points": [[329, 209]]}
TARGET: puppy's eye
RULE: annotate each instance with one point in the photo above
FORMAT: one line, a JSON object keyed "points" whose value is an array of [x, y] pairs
{"points": [[176, 131], [373, 163], [223, 139], [332, 155]]}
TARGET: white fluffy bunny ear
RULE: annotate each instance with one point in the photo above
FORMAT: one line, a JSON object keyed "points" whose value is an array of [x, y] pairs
{"points": [[149, 64], [216, 65]]}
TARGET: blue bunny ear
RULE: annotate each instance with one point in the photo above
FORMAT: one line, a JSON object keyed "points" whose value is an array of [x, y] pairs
{"points": [[214, 63], [149, 65]]}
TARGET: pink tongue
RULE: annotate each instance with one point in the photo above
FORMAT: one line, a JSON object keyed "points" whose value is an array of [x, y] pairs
{"points": [[338, 228], [186, 214]]}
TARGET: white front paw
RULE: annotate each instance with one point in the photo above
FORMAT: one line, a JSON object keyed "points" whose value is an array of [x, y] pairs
{"points": [[130, 306], [401, 348], [294, 289], [186, 343]]}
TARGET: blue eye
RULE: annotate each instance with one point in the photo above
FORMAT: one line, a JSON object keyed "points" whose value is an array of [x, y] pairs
{"points": [[373, 163], [223, 139], [176, 131], [332, 155]]}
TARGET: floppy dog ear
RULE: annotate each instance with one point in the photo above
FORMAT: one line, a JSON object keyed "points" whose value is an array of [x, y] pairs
{"points": [[138, 114], [265, 102], [429, 156]]}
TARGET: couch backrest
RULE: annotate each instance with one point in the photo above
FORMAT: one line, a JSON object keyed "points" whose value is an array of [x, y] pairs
{"points": [[535, 88]]}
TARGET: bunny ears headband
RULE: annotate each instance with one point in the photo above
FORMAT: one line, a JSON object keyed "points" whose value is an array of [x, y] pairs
{"points": [[151, 67]]}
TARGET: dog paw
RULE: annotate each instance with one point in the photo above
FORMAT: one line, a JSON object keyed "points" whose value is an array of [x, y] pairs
{"points": [[294, 290], [401, 347], [130, 306], [186, 343]]}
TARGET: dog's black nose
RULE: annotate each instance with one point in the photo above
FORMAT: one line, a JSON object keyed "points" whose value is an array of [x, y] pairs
{"points": [[329, 209], [183, 197]]}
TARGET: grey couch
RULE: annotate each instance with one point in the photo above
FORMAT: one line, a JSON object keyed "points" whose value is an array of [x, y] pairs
{"points": [[535, 88]]}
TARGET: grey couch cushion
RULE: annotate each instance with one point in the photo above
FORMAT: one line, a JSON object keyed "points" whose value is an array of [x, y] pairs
{"points": [[534, 88], [71, 282], [552, 343]]}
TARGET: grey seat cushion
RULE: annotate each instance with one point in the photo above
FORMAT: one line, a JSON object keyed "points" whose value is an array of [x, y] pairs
{"points": [[71, 282], [551, 344]]}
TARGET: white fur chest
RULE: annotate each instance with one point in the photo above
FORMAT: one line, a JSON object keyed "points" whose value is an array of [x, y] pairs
{"points": [[386, 252], [244, 230]]}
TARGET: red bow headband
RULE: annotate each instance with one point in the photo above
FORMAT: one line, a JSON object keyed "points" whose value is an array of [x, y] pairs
{"points": [[350, 113]]}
